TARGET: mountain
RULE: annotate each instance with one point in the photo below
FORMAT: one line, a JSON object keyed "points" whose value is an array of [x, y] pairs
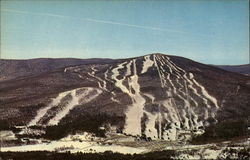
{"points": [[155, 96], [10, 69], [242, 69]]}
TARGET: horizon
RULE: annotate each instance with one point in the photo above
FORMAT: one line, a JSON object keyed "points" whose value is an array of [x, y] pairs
{"points": [[125, 29]]}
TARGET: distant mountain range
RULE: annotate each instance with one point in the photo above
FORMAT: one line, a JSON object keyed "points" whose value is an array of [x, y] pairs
{"points": [[242, 69]]}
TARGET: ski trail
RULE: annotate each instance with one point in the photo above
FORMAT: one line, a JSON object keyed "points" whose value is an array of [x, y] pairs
{"points": [[75, 69], [190, 85], [113, 93], [62, 113], [41, 112], [169, 106], [205, 93], [168, 77], [77, 99], [115, 100], [150, 130], [147, 64], [106, 75], [128, 73], [179, 77], [118, 82], [159, 121], [159, 111], [94, 70], [193, 121], [175, 91], [170, 134], [192, 115], [135, 110], [150, 96], [178, 69], [67, 68], [159, 73], [104, 87], [206, 98], [189, 117], [104, 83]]}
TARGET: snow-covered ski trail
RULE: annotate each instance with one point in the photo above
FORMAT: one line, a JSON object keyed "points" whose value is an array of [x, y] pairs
{"points": [[193, 84], [77, 98], [147, 64], [41, 112], [119, 82], [88, 95], [188, 116], [134, 112], [101, 83]]}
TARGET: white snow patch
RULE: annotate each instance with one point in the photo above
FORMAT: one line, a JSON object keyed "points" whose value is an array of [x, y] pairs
{"points": [[147, 64], [128, 73], [7, 135]]}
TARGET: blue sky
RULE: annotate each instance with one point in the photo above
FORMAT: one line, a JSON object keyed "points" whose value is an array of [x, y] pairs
{"points": [[208, 31]]}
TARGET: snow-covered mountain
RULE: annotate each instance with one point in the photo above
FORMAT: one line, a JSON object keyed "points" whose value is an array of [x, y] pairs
{"points": [[154, 96]]}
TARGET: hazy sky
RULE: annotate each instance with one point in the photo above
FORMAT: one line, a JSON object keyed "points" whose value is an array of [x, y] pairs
{"points": [[208, 31]]}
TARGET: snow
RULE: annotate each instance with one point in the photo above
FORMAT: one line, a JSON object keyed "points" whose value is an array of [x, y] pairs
{"points": [[116, 148], [74, 143], [205, 93], [118, 82], [150, 96], [7, 135], [171, 80], [53, 146], [41, 112], [147, 64], [211, 153], [173, 115], [188, 156], [192, 84], [75, 69], [128, 73], [76, 100], [188, 116], [174, 81], [100, 80], [150, 130], [134, 112], [161, 79]]}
